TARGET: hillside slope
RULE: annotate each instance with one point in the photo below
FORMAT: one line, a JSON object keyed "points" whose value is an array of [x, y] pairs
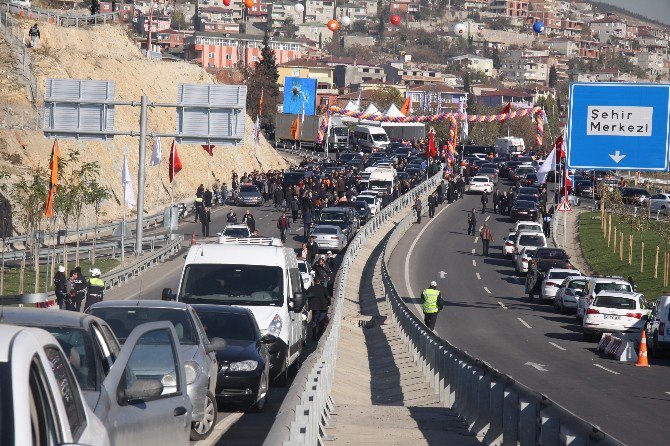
{"points": [[106, 52]]}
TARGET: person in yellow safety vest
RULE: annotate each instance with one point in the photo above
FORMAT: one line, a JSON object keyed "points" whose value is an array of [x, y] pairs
{"points": [[432, 304], [96, 288]]}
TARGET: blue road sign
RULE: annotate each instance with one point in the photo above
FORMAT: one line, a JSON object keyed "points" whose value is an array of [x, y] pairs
{"points": [[619, 126]]}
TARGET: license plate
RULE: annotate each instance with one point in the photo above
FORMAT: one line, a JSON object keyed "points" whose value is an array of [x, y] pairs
{"points": [[611, 317]]}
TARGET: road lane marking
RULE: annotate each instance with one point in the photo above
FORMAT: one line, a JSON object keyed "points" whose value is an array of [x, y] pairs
{"points": [[478, 276], [502, 305], [557, 346], [473, 250], [476, 239], [408, 286], [539, 367], [606, 369], [487, 218], [487, 290], [474, 262], [524, 322]]}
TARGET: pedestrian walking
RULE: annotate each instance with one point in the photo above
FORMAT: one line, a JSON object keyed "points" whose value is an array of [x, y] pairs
{"points": [[472, 221], [204, 219], [198, 205], [496, 201], [318, 301], [248, 219], [432, 304], [283, 225], [417, 209], [487, 238], [485, 201], [432, 204], [34, 34], [307, 219], [312, 250], [323, 271], [546, 224]]}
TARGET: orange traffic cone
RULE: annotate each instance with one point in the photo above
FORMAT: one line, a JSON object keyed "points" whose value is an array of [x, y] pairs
{"points": [[193, 239], [642, 359]]}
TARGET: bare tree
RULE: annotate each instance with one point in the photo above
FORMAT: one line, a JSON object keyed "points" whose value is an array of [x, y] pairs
{"points": [[96, 194]]}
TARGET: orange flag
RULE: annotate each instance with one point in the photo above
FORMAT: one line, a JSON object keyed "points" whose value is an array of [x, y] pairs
{"points": [[53, 184], [260, 104], [406, 107], [295, 128]]}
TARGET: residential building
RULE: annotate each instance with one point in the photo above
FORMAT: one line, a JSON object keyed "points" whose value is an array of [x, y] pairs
{"points": [[435, 98], [216, 50], [497, 98], [475, 62], [280, 10], [355, 39], [188, 10], [525, 65], [405, 8], [319, 11], [565, 47], [168, 39], [502, 39], [604, 76], [589, 49], [475, 5], [510, 8], [609, 26], [410, 74], [218, 19], [654, 64], [259, 12], [545, 11], [571, 28], [315, 31], [353, 75], [125, 9], [355, 11], [158, 23]]}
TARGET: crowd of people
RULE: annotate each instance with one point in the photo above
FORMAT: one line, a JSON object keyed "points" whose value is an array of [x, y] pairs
{"points": [[72, 291]]}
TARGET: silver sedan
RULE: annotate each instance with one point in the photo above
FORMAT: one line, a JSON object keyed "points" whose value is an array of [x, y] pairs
{"points": [[660, 203], [329, 237]]}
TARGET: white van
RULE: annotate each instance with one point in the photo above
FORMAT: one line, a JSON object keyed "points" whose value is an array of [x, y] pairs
{"points": [[509, 145], [255, 273], [382, 179], [370, 138]]}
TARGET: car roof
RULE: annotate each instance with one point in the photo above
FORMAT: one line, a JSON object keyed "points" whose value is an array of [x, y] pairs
{"points": [[39, 316], [627, 294], [564, 270], [609, 280], [147, 303], [240, 226], [9, 332], [238, 254], [230, 309], [528, 232], [326, 227]]}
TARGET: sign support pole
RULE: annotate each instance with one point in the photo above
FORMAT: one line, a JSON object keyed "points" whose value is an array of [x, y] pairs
{"points": [[140, 176]]}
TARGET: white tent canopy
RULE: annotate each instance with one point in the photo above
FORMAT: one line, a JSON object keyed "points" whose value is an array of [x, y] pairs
{"points": [[351, 106], [393, 112], [372, 109]]}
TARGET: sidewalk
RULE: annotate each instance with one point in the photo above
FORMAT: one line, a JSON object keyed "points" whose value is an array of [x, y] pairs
{"points": [[572, 247], [381, 395]]}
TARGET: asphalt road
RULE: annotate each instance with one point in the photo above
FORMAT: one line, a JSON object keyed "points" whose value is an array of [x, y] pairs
{"points": [[488, 315]]}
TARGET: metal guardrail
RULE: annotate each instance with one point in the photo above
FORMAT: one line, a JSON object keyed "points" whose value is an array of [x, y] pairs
{"points": [[58, 18], [303, 153], [307, 407], [496, 407]]}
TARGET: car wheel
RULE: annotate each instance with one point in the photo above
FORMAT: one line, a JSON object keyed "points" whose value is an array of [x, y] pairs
{"points": [[201, 429], [283, 378], [653, 347], [262, 401]]}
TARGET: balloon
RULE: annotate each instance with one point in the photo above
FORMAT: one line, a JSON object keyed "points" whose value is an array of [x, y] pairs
{"points": [[333, 25], [226, 2], [395, 20], [538, 27], [346, 20], [299, 8], [460, 28], [249, 3]]}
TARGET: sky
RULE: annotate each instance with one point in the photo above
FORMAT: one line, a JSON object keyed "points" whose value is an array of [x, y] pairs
{"points": [[656, 9]]}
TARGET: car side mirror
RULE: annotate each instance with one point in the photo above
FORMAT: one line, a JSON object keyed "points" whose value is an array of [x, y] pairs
{"points": [[216, 344], [268, 339], [168, 294], [141, 390], [298, 302]]}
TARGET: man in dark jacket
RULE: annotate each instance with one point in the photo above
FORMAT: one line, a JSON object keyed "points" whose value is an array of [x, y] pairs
{"points": [[231, 217], [472, 222], [322, 271], [307, 219], [485, 201], [80, 284], [432, 204], [318, 301], [496, 200], [417, 208], [60, 285], [283, 225], [248, 219], [312, 250], [204, 219]]}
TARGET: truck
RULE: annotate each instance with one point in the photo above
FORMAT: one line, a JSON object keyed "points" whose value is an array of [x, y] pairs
{"points": [[308, 138], [509, 145], [381, 179]]}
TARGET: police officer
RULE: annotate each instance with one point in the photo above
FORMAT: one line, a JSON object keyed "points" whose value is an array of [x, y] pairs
{"points": [[96, 288], [60, 285], [199, 207], [79, 284], [432, 304]]}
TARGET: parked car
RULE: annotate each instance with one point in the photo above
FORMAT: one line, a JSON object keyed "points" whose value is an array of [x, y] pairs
{"points": [[508, 247], [635, 195], [525, 239], [658, 328], [481, 184], [244, 364], [330, 237], [249, 195], [345, 218], [490, 172], [195, 348], [584, 188], [363, 210], [543, 260], [615, 312], [529, 190], [553, 280], [525, 210], [597, 284], [528, 197], [305, 273], [568, 293], [523, 259], [660, 202]]}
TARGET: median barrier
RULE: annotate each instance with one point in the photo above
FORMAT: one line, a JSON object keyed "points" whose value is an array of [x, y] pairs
{"points": [[497, 408]]}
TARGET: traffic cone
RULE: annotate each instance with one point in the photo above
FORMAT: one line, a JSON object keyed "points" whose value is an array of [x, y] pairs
{"points": [[193, 239], [642, 360]]}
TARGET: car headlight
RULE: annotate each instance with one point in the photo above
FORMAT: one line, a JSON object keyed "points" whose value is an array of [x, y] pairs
{"points": [[243, 366], [275, 326], [169, 380], [192, 369]]}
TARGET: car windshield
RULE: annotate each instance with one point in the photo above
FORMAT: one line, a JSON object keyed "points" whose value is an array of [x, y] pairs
{"points": [[480, 180], [528, 252], [123, 320], [528, 226], [328, 231], [532, 198], [340, 131], [333, 217], [531, 240], [528, 191], [77, 346], [380, 184], [577, 284], [248, 189], [616, 302], [222, 283], [553, 254], [612, 286], [361, 205], [233, 326], [366, 198], [236, 232], [379, 137], [562, 274], [524, 204]]}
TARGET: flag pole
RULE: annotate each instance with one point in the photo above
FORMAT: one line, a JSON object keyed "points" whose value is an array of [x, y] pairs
{"points": [[172, 188], [123, 225]]}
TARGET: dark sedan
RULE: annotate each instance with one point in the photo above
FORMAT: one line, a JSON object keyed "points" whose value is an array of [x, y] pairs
{"points": [[635, 195], [528, 197], [584, 188], [249, 196], [363, 211], [244, 364], [525, 210]]}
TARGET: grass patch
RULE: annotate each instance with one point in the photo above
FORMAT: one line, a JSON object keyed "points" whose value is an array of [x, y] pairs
{"points": [[12, 275], [603, 260]]}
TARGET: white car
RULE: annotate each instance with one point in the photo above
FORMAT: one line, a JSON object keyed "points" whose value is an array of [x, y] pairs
{"points": [[660, 203], [553, 280], [374, 202], [523, 259], [568, 293], [508, 246], [527, 226], [481, 184], [597, 284], [615, 312], [658, 329], [305, 273], [524, 239]]}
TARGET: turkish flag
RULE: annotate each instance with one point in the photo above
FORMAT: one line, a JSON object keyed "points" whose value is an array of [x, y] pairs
{"points": [[507, 109], [560, 149], [175, 163], [208, 149], [432, 150]]}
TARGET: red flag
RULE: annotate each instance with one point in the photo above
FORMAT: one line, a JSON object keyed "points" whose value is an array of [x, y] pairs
{"points": [[567, 182], [432, 150], [209, 149], [507, 109], [560, 149], [175, 163]]}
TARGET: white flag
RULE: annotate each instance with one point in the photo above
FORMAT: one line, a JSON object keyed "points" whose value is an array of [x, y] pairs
{"points": [[465, 126], [257, 130], [127, 184], [330, 125], [546, 167], [156, 153]]}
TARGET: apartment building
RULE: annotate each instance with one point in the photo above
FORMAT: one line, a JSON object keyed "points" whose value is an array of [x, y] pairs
{"points": [[259, 12], [355, 11], [404, 7], [435, 98], [564, 47], [609, 26], [315, 31], [355, 74], [319, 10], [410, 74], [280, 10], [475, 5], [589, 49], [498, 98], [545, 11], [218, 19], [571, 28], [510, 8], [475, 63], [526, 65]]}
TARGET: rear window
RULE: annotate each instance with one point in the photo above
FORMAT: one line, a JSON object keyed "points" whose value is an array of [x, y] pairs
{"points": [[124, 320], [612, 287], [562, 274], [248, 189], [553, 254], [480, 180], [577, 284], [528, 226], [531, 240], [524, 205], [325, 231], [616, 302]]}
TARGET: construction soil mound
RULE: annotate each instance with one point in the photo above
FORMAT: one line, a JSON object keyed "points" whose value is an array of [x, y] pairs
{"points": [[105, 52]]}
